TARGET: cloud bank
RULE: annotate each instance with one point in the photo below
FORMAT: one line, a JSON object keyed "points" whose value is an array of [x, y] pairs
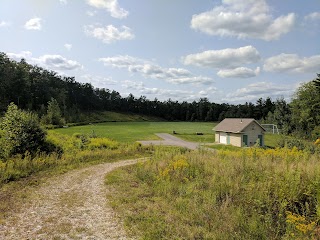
{"points": [[33, 24], [225, 58], [151, 70], [243, 19], [292, 63], [111, 6], [109, 34]]}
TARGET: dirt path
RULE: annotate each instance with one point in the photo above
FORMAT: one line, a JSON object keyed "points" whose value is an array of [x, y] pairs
{"points": [[69, 206], [170, 140]]}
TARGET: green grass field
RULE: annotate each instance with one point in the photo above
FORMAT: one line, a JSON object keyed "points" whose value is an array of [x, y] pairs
{"points": [[134, 131]]}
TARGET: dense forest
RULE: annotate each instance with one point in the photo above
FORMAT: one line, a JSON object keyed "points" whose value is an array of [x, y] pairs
{"points": [[34, 88]]}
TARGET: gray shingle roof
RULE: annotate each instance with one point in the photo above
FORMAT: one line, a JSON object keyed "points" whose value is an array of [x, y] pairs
{"points": [[234, 125]]}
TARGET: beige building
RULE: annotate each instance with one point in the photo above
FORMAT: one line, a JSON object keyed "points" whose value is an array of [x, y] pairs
{"points": [[239, 132]]}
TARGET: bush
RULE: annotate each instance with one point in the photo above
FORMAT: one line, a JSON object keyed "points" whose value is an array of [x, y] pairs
{"points": [[102, 143], [53, 116], [21, 132], [316, 133], [290, 143]]}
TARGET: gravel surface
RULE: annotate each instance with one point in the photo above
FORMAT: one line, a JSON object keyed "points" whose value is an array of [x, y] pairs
{"points": [[170, 140], [68, 206]]}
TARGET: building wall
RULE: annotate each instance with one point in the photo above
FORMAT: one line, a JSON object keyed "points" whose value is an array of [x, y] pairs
{"points": [[253, 130], [217, 137], [236, 139]]}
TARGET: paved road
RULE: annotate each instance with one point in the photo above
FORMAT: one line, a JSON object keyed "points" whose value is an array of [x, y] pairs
{"points": [[170, 140]]}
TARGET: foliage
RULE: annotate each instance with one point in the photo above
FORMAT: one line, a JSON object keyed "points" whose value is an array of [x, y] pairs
{"points": [[102, 143], [53, 116], [315, 133], [21, 132], [306, 109], [247, 194], [73, 153], [303, 145], [32, 87], [317, 82], [281, 116], [299, 227]]}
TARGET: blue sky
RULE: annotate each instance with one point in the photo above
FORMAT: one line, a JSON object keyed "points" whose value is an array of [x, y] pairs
{"points": [[231, 51]]}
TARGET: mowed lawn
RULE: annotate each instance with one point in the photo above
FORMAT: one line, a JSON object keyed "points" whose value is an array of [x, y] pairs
{"points": [[134, 131]]}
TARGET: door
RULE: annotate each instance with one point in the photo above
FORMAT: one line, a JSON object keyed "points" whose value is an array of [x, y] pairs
{"points": [[223, 138], [260, 139], [245, 140], [228, 138]]}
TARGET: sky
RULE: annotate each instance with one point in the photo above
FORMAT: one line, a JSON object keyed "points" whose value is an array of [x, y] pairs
{"points": [[229, 51]]}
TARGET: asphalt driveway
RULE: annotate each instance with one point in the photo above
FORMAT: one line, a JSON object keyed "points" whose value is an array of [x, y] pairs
{"points": [[170, 140]]}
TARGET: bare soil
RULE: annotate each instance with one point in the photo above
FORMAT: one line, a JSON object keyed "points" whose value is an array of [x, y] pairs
{"points": [[68, 206]]}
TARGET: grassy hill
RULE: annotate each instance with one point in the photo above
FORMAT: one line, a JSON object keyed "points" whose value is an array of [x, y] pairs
{"points": [[108, 116]]}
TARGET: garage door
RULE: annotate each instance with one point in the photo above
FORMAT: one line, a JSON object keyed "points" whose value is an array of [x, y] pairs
{"points": [[223, 138]]}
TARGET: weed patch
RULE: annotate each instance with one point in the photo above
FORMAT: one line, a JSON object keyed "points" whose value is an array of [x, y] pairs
{"points": [[246, 194]]}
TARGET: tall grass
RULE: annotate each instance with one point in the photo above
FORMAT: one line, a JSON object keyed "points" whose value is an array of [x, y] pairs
{"points": [[72, 151], [247, 194]]}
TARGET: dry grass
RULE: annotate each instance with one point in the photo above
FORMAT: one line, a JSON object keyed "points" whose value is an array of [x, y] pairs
{"points": [[246, 194]]}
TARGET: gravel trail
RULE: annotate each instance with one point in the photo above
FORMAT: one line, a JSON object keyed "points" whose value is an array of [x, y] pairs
{"points": [[170, 140], [68, 206]]}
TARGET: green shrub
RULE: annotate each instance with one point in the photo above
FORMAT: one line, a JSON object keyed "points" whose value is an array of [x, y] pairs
{"points": [[53, 116], [102, 143], [300, 144], [21, 132]]}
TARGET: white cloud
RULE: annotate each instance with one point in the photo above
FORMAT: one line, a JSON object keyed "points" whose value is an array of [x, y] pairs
{"points": [[241, 72], [58, 62], [98, 81], [313, 16], [243, 19], [4, 24], [18, 56], [151, 70], [292, 63], [165, 94], [68, 46], [110, 33], [225, 58], [258, 90], [33, 24], [52, 62], [64, 2], [111, 6]]}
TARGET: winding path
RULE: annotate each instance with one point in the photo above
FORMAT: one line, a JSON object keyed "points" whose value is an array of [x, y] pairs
{"points": [[68, 206]]}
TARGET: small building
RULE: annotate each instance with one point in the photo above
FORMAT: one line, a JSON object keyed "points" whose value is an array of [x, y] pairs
{"points": [[239, 132]]}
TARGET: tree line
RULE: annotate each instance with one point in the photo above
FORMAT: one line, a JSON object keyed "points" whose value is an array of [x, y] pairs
{"points": [[34, 88]]}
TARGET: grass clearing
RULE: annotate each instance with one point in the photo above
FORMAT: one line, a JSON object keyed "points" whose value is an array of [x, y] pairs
{"points": [[128, 132], [271, 140], [134, 131]]}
